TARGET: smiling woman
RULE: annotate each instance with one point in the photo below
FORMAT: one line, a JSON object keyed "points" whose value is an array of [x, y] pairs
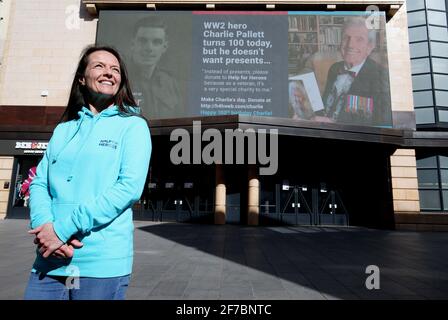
{"points": [[102, 75], [93, 171], [101, 80]]}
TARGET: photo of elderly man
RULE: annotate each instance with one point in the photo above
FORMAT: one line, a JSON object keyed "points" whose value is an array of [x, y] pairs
{"points": [[357, 88]]}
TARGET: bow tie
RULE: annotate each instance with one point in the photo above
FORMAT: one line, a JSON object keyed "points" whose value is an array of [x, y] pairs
{"points": [[350, 73]]}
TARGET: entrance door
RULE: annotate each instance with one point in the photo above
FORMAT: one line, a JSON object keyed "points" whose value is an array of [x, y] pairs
{"points": [[303, 205], [233, 213], [172, 201], [177, 200], [295, 205], [330, 208]]}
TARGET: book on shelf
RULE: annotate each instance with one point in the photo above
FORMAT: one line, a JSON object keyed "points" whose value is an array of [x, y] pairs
{"points": [[302, 23], [331, 35], [325, 20], [339, 20]]}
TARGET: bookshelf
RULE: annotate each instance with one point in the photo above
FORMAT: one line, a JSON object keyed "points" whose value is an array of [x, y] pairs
{"points": [[310, 34]]}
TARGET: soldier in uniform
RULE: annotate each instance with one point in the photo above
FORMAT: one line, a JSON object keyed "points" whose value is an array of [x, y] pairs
{"points": [[155, 89]]}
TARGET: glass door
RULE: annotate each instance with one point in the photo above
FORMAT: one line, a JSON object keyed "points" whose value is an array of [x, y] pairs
{"points": [[331, 209], [295, 205]]}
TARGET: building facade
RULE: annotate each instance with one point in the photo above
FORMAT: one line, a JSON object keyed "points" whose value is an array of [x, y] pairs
{"points": [[326, 173], [428, 33], [429, 54]]}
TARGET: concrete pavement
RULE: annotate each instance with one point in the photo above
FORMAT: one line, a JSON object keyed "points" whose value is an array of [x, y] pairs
{"points": [[197, 261]]}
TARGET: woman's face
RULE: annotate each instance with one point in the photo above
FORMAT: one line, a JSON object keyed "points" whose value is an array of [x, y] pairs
{"points": [[102, 74]]}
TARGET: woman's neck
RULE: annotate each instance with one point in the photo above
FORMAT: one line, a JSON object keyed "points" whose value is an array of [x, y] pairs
{"points": [[97, 101], [97, 110]]}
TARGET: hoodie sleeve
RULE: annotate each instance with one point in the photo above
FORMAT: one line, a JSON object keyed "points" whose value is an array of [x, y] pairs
{"points": [[40, 197], [122, 195]]}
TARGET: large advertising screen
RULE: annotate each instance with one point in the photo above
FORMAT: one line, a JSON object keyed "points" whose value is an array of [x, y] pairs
{"points": [[313, 66]]}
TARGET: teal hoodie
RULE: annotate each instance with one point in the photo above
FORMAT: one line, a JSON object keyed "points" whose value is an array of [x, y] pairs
{"points": [[93, 171]]}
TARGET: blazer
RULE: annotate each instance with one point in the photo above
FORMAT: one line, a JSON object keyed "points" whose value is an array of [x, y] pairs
{"points": [[370, 87]]}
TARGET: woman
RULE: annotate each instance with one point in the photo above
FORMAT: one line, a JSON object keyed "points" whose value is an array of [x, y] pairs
{"points": [[92, 173]]}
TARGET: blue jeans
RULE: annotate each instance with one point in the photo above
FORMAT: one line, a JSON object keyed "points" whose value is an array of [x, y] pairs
{"points": [[45, 287]]}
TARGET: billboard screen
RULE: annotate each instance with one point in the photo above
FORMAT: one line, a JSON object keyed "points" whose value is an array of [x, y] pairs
{"points": [[313, 66]]}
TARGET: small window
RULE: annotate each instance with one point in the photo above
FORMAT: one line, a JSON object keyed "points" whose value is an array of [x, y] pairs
{"points": [[424, 115], [440, 65], [432, 175], [444, 178], [441, 98], [416, 18], [428, 178], [417, 34], [443, 115], [421, 82], [428, 162], [445, 200], [419, 49], [436, 17], [423, 99], [429, 199], [441, 81], [420, 65], [433, 4], [438, 33], [415, 5], [439, 49], [443, 161]]}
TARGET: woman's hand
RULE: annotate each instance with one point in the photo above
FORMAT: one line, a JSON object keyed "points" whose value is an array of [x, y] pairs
{"points": [[47, 240], [66, 251]]}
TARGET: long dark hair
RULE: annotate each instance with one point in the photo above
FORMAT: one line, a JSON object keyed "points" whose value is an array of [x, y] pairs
{"points": [[123, 99]]}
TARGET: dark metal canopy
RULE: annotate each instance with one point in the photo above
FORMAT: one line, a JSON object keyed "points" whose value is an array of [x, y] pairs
{"points": [[402, 138]]}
